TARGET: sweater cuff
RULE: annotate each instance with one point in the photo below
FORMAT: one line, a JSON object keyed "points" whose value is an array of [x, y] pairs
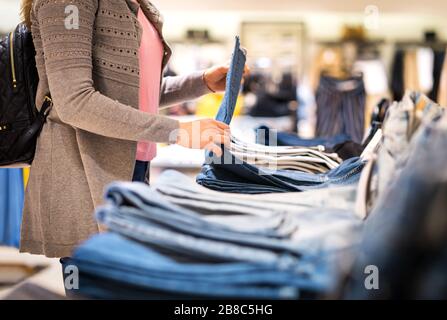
{"points": [[170, 130], [199, 85]]}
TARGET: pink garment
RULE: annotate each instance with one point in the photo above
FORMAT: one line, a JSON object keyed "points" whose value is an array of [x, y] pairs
{"points": [[151, 57]]}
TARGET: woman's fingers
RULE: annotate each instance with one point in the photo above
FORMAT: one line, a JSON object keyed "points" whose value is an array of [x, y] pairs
{"points": [[224, 69], [221, 125], [205, 134]]}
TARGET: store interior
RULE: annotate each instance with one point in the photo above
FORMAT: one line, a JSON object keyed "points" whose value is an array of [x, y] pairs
{"points": [[324, 76]]}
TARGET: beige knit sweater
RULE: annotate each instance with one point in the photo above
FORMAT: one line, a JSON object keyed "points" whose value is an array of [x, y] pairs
{"points": [[90, 137]]}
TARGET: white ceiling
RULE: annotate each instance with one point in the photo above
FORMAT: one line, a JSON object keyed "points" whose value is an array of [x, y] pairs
{"points": [[438, 7], [9, 8]]}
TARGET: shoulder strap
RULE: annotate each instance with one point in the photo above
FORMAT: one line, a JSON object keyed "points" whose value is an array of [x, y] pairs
{"points": [[24, 142]]}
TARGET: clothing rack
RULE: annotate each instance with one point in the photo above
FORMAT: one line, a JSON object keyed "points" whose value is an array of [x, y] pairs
{"points": [[358, 42], [364, 49], [435, 45]]}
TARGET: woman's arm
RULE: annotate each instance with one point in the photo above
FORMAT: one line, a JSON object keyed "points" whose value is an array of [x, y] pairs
{"points": [[182, 88], [179, 89], [68, 63]]}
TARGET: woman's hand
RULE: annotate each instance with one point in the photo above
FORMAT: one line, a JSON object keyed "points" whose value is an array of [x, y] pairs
{"points": [[204, 134], [215, 77]]}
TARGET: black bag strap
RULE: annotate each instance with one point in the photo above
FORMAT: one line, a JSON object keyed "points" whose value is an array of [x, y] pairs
{"points": [[30, 135]]}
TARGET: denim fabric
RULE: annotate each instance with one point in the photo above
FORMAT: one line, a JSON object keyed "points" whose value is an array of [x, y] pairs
{"points": [[397, 72], [140, 213], [141, 172], [264, 135], [401, 122], [246, 178], [114, 257], [11, 206], [325, 217], [340, 144], [182, 190], [439, 61], [406, 233], [348, 150], [231, 174], [341, 107], [304, 159], [233, 84], [157, 249]]}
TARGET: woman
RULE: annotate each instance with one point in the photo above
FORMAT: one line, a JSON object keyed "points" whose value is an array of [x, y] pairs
{"points": [[101, 60]]}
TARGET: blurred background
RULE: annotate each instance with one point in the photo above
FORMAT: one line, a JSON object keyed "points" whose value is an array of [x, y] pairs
{"points": [[291, 43]]}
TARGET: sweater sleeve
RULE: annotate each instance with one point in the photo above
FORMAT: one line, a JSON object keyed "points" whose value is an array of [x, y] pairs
{"points": [[182, 88], [68, 63]]}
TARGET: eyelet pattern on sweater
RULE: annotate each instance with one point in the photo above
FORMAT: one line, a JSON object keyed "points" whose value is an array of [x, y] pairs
{"points": [[107, 38]]}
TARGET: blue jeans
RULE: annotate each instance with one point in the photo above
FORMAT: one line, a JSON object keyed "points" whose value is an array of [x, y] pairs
{"points": [[264, 135], [249, 179], [111, 256], [401, 122], [140, 212], [341, 107], [180, 189], [230, 174], [233, 84], [141, 171], [406, 233]]}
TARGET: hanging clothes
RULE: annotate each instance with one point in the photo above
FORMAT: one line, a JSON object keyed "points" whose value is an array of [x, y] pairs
{"points": [[341, 107], [397, 72], [425, 58], [11, 206], [437, 69], [419, 68], [411, 72], [376, 84], [442, 91]]}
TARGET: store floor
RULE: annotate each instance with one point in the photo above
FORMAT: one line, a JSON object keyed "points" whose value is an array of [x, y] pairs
{"points": [[18, 269]]}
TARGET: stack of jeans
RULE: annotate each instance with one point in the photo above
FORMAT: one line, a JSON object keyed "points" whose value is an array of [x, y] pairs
{"points": [[405, 236], [236, 176], [148, 274], [156, 247], [402, 122], [304, 159], [266, 135], [341, 107], [181, 190], [341, 144], [397, 72], [232, 174], [323, 220]]}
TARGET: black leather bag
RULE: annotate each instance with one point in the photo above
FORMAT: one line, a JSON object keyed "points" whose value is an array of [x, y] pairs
{"points": [[20, 121]]}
